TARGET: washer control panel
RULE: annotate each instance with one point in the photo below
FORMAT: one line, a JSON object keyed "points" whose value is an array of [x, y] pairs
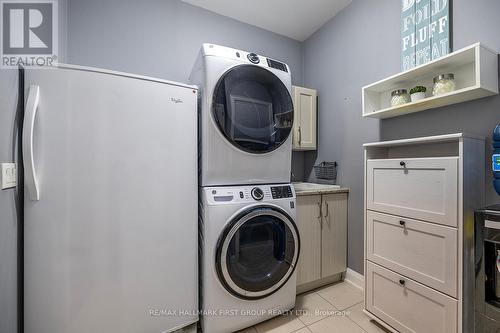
{"points": [[256, 193], [281, 192]]}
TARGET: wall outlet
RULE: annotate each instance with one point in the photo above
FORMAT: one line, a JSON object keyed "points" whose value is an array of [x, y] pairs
{"points": [[9, 175]]}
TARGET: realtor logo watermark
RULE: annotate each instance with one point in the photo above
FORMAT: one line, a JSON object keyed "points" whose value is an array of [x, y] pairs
{"points": [[29, 34]]}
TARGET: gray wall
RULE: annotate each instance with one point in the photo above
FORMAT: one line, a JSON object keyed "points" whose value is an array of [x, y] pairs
{"points": [[162, 38], [361, 45]]}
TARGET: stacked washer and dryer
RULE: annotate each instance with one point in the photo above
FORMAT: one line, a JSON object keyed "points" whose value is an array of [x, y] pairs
{"points": [[249, 241]]}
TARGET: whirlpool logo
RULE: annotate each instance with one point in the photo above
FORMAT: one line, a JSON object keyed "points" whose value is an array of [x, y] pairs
{"points": [[176, 100], [29, 34]]}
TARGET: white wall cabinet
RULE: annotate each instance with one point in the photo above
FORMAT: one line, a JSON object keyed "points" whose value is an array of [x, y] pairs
{"points": [[420, 197], [322, 223], [305, 118]]}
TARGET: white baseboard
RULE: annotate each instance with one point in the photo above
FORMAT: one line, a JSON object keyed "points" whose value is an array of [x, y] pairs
{"points": [[355, 279]]}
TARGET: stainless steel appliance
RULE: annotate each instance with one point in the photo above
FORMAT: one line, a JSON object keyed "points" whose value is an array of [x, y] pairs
{"points": [[487, 263]]}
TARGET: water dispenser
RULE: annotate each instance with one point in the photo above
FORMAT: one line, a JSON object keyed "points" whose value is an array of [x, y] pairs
{"points": [[495, 159]]}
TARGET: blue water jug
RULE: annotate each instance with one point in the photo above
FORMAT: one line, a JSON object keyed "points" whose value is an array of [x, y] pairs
{"points": [[495, 158]]}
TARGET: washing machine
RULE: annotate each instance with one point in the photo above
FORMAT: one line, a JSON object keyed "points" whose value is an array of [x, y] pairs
{"points": [[249, 247], [246, 117]]}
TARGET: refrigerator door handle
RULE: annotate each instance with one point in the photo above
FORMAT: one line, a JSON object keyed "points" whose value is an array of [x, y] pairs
{"points": [[28, 127]]}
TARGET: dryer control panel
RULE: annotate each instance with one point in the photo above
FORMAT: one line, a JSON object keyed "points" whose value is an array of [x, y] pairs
{"points": [[243, 56]]}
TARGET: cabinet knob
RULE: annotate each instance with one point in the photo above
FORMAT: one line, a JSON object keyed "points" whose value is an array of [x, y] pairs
{"points": [[402, 163], [402, 282], [402, 222]]}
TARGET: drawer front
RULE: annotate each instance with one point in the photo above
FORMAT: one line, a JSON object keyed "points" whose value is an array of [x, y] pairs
{"points": [[409, 307], [424, 189], [425, 252]]}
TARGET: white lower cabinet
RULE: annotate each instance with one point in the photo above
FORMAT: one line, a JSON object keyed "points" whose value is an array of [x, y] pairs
{"points": [[322, 223], [408, 306], [334, 234], [309, 224]]}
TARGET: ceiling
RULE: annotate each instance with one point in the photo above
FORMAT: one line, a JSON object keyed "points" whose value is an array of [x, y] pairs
{"points": [[297, 19]]}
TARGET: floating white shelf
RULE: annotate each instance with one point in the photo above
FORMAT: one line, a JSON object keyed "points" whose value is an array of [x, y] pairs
{"points": [[476, 76]]}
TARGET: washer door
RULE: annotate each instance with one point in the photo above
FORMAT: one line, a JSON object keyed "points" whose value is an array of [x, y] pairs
{"points": [[253, 109], [257, 252]]}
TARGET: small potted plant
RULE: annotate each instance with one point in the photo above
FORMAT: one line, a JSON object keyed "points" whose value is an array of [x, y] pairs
{"points": [[417, 93]]}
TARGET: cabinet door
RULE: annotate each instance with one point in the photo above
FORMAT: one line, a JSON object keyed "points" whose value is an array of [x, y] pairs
{"points": [[420, 188], [406, 305], [425, 252], [334, 234], [309, 223], [304, 134]]}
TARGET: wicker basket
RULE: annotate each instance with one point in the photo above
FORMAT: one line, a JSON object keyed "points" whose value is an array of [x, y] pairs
{"points": [[326, 170]]}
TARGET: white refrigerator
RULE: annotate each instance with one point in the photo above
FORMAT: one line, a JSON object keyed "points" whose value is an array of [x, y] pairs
{"points": [[110, 224]]}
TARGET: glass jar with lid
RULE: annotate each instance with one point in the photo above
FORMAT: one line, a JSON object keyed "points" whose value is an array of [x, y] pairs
{"points": [[443, 84], [399, 97]]}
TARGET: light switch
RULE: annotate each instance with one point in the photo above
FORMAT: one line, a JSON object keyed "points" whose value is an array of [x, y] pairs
{"points": [[9, 175]]}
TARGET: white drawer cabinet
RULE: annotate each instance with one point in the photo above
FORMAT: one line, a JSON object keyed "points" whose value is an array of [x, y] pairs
{"points": [[423, 188], [423, 251], [409, 306], [420, 197]]}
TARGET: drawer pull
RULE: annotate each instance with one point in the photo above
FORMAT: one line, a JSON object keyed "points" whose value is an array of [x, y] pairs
{"points": [[402, 163], [402, 282], [403, 223]]}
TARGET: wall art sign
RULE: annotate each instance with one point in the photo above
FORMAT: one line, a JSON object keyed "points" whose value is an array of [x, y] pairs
{"points": [[426, 28]]}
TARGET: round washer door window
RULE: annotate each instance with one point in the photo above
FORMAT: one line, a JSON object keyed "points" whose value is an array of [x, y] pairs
{"points": [[253, 109], [257, 253]]}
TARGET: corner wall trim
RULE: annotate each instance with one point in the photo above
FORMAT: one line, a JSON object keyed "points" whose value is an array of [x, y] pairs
{"points": [[354, 278]]}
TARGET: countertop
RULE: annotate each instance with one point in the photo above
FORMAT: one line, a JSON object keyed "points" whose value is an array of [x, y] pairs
{"points": [[314, 189]]}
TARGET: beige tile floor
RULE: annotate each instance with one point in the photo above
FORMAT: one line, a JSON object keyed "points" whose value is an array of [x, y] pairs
{"points": [[337, 308]]}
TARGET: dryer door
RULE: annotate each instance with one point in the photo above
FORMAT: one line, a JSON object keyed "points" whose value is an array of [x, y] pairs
{"points": [[253, 109], [258, 252]]}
